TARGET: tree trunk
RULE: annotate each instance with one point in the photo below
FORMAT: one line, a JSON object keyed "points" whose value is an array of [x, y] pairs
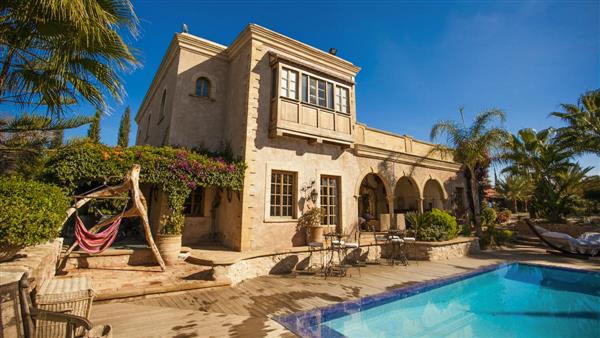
{"points": [[515, 210], [472, 192]]}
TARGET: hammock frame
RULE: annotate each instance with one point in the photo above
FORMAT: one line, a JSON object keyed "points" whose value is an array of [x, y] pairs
{"points": [[557, 249], [139, 209]]}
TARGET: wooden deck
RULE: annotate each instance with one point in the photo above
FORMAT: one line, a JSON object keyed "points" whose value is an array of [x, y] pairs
{"points": [[245, 310]]}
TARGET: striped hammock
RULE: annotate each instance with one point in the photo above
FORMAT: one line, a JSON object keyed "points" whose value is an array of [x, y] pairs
{"points": [[96, 243]]}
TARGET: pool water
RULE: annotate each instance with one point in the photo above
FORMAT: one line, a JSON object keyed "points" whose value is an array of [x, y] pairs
{"points": [[515, 300]]}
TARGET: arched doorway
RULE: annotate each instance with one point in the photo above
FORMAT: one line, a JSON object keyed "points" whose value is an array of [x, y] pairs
{"points": [[433, 195], [372, 199], [406, 196]]}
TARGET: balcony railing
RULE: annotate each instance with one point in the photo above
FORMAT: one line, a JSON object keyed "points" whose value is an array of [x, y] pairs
{"points": [[314, 123]]}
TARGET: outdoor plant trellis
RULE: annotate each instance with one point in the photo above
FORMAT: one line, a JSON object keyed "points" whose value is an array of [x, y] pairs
{"points": [[176, 171]]}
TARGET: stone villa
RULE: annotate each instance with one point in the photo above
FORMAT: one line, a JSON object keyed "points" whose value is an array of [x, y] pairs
{"points": [[288, 110]]}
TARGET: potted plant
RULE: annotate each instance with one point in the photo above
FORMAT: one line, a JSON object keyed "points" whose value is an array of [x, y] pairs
{"points": [[310, 221], [31, 213], [169, 237]]}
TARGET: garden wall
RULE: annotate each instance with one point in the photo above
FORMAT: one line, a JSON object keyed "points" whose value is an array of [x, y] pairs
{"points": [[436, 251], [283, 263], [570, 229]]}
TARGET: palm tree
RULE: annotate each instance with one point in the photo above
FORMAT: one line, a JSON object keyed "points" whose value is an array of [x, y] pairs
{"points": [[535, 154], [471, 146], [582, 133], [515, 188], [55, 53], [559, 196], [541, 157]]}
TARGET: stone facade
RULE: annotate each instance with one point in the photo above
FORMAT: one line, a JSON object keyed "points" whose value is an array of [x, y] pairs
{"points": [[309, 133]]}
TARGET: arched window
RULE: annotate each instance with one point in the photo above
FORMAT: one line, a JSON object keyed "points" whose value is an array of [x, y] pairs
{"points": [[203, 87], [163, 102]]}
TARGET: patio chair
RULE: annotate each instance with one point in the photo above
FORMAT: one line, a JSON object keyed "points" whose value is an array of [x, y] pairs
{"points": [[76, 326], [314, 247], [585, 246]]}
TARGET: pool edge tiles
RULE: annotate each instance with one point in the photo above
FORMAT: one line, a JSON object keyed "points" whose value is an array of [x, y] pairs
{"points": [[308, 323]]}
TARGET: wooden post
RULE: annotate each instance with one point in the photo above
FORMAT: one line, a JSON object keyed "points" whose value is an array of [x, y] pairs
{"points": [[139, 209], [139, 203]]}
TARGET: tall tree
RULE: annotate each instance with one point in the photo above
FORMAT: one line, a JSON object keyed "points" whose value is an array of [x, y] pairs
{"points": [[123, 140], [94, 130], [515, 188], [582, 133], [23, 139], [56, 53], [535, 154], [541, 157], [471, 146]]}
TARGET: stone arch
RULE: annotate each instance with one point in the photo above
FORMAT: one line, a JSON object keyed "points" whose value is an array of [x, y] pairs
{"points": [[406, 195], [434, 195], [364, 174], [373, 200]]}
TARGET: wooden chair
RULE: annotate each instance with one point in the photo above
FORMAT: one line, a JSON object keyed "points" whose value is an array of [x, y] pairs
{"points": [[30, 313]]}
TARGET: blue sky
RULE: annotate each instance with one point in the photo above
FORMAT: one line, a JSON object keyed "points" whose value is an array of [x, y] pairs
{"points": [[420, 60]]}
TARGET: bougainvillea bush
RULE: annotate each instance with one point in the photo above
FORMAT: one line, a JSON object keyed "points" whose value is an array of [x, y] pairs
{"points": [[30, 212], [176, 171]]}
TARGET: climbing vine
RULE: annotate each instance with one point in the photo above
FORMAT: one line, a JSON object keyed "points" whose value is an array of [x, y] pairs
{"points": [[176, 171]]}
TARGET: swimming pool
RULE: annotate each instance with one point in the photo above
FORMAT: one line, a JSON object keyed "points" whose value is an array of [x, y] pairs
{"points": [[506, 300]]}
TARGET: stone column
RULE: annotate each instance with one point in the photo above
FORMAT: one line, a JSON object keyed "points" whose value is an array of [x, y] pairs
{"points": [[420, 203], [390, 200]]}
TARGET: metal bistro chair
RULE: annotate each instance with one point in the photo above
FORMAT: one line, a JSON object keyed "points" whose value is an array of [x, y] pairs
{"points": [[354, 247], [397, 247], [335, 247], [408, 241], [379, 241], [313, 247]]}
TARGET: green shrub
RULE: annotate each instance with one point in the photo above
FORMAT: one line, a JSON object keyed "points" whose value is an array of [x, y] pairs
{"points": [[488, 216], [30, 212], [417, 220], [493, 236], [503, 236], [439, 226]]}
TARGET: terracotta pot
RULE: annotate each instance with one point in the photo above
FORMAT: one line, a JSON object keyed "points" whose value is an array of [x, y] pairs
{"points": [[315, 234], [169, 247], [8, 251]]}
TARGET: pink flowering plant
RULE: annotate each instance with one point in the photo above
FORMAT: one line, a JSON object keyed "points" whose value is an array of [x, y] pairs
{"points": [[176, 171]]}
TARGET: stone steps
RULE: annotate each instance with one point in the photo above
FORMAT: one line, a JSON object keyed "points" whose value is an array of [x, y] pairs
{"points": [[528, 240], [140, 292]]}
